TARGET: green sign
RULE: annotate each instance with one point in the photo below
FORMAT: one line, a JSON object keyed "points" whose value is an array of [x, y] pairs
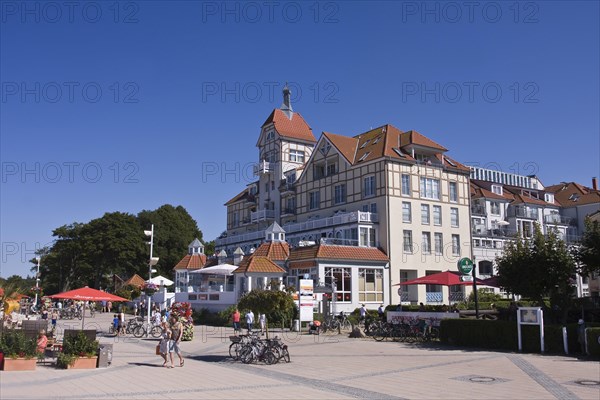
{"points": [[465, 265]]}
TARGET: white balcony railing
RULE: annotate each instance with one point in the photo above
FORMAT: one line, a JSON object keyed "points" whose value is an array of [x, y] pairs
{"points": [[262, 215], [340, 219], [263, 167], [557, 219]]}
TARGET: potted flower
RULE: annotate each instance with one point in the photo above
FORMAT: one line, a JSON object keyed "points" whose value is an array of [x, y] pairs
{"points": [[78, 352], [183, 312], [19, 352], [149, 288]]}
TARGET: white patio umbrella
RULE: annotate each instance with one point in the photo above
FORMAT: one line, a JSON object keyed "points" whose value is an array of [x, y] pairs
{"points": [[161, 280], [221, 269]]}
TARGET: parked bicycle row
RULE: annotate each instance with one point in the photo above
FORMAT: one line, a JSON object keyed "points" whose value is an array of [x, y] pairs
{"points": [[251, 348], [403, 332]]}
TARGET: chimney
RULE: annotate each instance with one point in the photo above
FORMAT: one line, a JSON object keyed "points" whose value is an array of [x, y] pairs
{"points": [[595, 183]]}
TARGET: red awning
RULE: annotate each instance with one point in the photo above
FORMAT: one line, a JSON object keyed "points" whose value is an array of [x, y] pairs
{"points": [[447, 278]]}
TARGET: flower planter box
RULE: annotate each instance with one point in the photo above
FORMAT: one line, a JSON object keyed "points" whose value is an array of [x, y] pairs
{"points": [[84, 363], [19, 364]]}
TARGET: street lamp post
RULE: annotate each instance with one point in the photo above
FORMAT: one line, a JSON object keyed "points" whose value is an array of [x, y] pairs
{"points": [[37, 280], [152, 262]]}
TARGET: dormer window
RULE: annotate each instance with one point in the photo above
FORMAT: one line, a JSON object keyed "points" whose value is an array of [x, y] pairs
{"points": [[497, 189], [270, 135], [549, 197], [364, 156], [377, 139], [365, 144]]}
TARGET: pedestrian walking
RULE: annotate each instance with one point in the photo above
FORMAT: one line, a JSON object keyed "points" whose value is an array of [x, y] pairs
{"points": [[581, 335], [249, 320], [236, 321], [381, 312], [262, 322], [135, 309], [164, 347], [177, 335]]}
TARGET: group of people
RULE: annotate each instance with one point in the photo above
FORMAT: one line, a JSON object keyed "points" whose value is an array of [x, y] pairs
{"points": [[237, 328], [170, 341]]}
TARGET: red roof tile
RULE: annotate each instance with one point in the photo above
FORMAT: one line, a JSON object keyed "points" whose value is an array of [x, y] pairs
{"points": [[415, 138], [324, 251], [296, 128], [135, 280], [192, 261], [257, 264], [276, 251]]}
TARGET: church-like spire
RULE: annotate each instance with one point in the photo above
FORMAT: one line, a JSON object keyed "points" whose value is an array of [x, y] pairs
{"points": [[286, 107]]}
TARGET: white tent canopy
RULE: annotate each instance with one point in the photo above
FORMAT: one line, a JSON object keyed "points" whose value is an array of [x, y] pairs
{"points": [[161, 280], [221, 269]]}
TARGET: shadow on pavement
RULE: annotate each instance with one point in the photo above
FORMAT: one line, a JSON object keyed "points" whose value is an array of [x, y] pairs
{"points": [[210, 358]]}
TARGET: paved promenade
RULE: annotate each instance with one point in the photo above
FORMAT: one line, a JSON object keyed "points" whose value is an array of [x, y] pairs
{"points": [[322, 367]]}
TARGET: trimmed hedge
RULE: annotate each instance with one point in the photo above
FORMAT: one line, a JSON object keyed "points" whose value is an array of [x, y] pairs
{"points": [[593, 339], [502, 335]]}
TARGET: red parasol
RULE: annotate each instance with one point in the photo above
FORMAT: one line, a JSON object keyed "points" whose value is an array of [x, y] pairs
{"points": [[87, 294], [447, 278]]}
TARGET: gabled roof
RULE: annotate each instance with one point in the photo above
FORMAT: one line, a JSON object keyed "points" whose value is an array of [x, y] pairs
{"points": [[257, 264], [296, 128], [333, 252], [415, 138], [344, 144], [244, 194], [276, 251], [196, 243], [571, 194], [481, 189], [192, 261], [135, 280], [275, 228]]}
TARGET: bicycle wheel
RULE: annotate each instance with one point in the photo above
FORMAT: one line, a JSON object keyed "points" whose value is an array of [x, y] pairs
{"points": [[156, 331], [285, 355], [269, 358], [380, 333], [346, 325], [247, 354], [234, 350], [139, 331]]}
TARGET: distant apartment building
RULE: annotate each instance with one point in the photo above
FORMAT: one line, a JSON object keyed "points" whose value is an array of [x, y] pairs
{"points": [[384, 189], [504, 205]]}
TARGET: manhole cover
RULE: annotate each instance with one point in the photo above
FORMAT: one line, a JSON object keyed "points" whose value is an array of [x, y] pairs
{"points": [[588, 383], [482, 379]]}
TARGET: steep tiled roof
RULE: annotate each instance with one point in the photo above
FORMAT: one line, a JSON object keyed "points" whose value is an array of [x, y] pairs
{"points": [[276, 251], [571, 194], [296, 128], [344, 144], [257, 264], [325, 251], [135, 280], [191, 261], [482, 189], [240, 196], [415, 138]]}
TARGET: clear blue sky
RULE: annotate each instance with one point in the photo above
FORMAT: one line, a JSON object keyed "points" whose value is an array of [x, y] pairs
{"points": [[165, 99]]}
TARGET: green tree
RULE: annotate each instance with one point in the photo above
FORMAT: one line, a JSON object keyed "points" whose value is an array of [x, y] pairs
{"points": [[114, 245], [174, 230], [539, 267], [278, 306], [588, 253]]}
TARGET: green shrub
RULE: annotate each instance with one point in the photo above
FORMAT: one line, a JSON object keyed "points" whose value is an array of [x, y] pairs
{"points": [[593, 340], [74, 346], [14, 344], [502, 335]]}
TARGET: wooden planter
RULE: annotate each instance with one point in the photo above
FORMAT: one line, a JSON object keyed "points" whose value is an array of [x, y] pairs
{"points": [[84, 363], [19, 364]]}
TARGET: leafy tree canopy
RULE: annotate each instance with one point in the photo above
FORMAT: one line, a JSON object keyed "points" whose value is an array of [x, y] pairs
{"points": [[588, 254], [538, 267], [275, 304], [92, 253]]}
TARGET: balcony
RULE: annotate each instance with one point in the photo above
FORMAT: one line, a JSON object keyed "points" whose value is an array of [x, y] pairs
{"points": [[287, 189], [557, 219], [250, 198], [262, 215], [246, 237], [523, 212], [263, 167], [498, 232], [340, 219], [478, 209], [288, 212]]}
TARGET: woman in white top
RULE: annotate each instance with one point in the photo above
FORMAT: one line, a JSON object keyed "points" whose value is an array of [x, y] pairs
{"points": [[165, 345]]}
